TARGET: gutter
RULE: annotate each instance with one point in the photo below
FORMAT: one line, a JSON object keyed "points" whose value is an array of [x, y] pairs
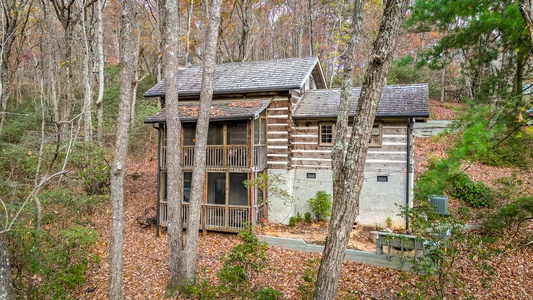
{"points": [[408, 172], [158, 203]]}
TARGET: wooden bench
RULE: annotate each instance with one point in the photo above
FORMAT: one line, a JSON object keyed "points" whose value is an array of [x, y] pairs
{"points": [[402, 242]]}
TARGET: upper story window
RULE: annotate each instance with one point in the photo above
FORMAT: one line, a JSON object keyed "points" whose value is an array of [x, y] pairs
{"points": [[326, 134]]}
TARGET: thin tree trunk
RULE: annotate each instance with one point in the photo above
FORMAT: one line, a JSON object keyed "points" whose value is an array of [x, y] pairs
{"points": [[202, 128], [118, 167], [348, 169], [310, 19], [136, 76], [527, 15], [6, 281], [101, 81], [174, 182], [443, 84], [188, 34], [88, 80]]}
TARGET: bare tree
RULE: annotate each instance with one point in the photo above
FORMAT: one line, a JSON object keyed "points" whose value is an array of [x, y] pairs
{"points": [[170, 73], [100, 53], [348, 167], [13, 20], [6, 282], [118, 166], [88, 77], [202, 127]]}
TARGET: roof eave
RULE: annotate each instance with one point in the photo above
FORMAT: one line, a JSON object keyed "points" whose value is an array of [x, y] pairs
{"points": [[418, 115], [194, 120], [228, 92]]}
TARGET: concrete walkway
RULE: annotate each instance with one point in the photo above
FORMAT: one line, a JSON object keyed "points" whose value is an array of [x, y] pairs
{"points": [[351, 255]]}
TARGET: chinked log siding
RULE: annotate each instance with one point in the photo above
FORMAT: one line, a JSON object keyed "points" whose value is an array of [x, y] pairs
{"points": [[278, 134], [390, 157]]}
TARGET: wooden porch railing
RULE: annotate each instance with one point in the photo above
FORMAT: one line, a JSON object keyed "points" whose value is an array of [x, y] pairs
{"points": [[226, 157], [217, 217]]}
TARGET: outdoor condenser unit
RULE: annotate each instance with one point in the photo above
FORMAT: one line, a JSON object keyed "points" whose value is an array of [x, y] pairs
{"points": [[440, 203]]}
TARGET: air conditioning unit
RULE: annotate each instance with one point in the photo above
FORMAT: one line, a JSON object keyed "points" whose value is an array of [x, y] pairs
{"points": [[440, 203]]}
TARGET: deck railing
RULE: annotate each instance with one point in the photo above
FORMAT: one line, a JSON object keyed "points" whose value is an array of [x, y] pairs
{"points": [[226, 157], [217, 217]]}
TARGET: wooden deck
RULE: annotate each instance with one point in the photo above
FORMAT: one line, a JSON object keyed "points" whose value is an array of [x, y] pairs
{"points": [[392, 262]]}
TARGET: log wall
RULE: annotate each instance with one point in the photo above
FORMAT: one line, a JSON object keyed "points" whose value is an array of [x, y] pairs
{"points": [[390, 157]]}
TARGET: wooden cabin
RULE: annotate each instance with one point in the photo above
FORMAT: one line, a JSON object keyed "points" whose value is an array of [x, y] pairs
{"points": [[277, 117]]}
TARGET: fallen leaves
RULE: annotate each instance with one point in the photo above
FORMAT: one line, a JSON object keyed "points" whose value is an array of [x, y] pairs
{"points": [[145, 265]]}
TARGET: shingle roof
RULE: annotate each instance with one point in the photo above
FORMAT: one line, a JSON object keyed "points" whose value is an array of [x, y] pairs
{"points": [[246, 77], [220, 110], [396, 101]]}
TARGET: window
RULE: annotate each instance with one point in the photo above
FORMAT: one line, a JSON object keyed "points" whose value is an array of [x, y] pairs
{"points": [[326, 134], [375, 136]]}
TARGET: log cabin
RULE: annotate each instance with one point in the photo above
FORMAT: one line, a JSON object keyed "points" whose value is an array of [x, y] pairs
{"points": [[277, 118]]}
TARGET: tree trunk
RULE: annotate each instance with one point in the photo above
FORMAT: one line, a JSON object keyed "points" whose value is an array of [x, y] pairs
{"points": [[202, 128], [330, 266], [348, 169], [118, 167], [100, 50], [443, 84], [88, 80], [527, 15], [174, 182], [6, 282]]}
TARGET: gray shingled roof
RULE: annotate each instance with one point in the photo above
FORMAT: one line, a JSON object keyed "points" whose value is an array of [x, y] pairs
{"points": [[396, 101], [246, 77], [220, 110]]}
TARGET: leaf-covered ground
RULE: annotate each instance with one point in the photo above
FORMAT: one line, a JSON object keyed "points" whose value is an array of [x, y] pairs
{"points": [[145, 255]]}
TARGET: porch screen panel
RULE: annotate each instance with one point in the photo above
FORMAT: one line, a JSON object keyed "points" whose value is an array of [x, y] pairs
{"points": [[189, 132], [237, 134], [216, 188], [187, 179], [215, 135], [238, 193]]}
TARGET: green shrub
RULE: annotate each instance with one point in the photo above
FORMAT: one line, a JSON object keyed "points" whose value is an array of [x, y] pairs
{"points": [[244, 260], [60, 259], [321, 204], [292, 221], [298, 217], [477, 194], [309, 277], [92, 166], [511, 217], [267, 294], [307, 217]]}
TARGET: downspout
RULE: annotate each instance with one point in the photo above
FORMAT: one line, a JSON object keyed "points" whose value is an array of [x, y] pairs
{"points": [[408, 172], [158, 201]]}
